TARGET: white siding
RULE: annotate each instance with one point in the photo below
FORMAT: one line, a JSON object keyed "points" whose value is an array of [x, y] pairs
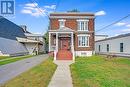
{"points": [[12, 47], [114, 46]]}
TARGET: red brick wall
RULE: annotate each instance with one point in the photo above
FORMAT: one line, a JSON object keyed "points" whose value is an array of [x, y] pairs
{"points": [[72, 23]]}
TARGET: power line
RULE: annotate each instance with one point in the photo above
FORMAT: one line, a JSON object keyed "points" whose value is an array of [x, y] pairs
{"points": [[58, 3], [114, 23]]}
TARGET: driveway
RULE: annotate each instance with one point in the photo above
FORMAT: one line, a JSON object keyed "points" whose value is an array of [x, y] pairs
{"points": [[11, 70]]}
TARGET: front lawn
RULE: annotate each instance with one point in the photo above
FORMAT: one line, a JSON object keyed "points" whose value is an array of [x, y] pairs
{"points": [[38, 76], [96, 71], [11, 59], [4, 57]]}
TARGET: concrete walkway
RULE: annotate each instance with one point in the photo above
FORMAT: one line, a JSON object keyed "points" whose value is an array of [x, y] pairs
{"points": [[62, 75], [12, 70]]}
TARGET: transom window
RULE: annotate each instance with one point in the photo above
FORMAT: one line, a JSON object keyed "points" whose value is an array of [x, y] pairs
{"points": [[82, 25], [62, 23], [83, 41]]}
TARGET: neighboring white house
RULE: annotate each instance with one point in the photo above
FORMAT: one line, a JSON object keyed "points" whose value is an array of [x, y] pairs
{"points": [[37, 46], [16, 40], [100, 37], [118, 45]]}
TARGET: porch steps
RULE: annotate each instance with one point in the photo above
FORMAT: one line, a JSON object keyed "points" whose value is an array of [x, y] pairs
{"points": [[64, 55]]}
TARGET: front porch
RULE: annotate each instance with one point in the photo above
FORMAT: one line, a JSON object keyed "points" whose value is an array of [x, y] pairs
{"points": [[61, 43]]}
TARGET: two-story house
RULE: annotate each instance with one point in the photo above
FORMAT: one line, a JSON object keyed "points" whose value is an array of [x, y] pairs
{"points": [[71, 34]]}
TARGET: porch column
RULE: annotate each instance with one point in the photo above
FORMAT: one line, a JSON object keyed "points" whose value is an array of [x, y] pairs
{"points": [[72, 45], [49, 41], [56, 50]]}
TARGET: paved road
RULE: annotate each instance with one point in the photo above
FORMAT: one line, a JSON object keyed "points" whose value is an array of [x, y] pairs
{"points": [[11, 70], [62, 76]]}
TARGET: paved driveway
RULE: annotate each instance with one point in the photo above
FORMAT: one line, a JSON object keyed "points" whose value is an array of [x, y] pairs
{"points": [[11, 70]]}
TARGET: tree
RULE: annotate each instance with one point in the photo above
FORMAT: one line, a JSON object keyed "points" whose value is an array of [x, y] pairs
{"points": [[74, 10], [46, 37]]}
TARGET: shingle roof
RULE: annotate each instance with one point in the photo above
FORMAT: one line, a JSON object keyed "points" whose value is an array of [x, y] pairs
{"points": [[10, 30]]}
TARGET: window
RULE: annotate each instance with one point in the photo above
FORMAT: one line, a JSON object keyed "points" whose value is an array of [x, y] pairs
{"points": [[83, 41], [121, 47], [107, 47], [99, 48], [62, 23], [82, 25]]}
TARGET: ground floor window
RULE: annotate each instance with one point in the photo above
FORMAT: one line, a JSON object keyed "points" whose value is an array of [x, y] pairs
{"points": [[99, 48], [107, 47], [83, 41], [121, 47]]}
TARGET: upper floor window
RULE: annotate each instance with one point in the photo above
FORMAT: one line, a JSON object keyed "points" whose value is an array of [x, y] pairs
{"points": [[82, 25], [83, 40], [62, 23]]}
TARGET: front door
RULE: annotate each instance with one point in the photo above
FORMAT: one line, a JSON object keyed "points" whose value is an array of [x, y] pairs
{"points": [[65, 44]]}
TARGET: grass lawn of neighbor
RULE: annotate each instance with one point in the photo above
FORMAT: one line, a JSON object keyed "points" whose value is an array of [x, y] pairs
{"points": [[4, 57], [11, 59], [38, 76], [97, 71]]}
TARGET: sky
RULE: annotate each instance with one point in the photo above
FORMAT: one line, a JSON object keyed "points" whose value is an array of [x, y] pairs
{"points": [[106, 12]]}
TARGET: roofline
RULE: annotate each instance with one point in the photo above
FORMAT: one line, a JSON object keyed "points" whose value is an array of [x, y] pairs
{"points": [[115, 37], [102, 35], [72, 13]]}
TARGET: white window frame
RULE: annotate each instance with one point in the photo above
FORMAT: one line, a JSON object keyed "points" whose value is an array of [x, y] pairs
{"points": [[62, 23], [82, 43], [82, 25]]}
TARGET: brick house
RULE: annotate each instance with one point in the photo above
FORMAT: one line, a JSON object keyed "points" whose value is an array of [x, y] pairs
{"points": [[71, 34]]}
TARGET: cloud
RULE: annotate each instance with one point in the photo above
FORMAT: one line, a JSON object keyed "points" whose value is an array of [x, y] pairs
{"points": [[31, 4], [50, 7], [128, 25], [125, 30], [120, 24], [31, 9], [100, 13]]}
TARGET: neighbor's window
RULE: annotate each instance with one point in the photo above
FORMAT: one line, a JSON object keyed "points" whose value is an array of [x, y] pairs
{"points": [[62, 23], [83, 41], [121, 47], [99, 48], [82, 25], [107, 47]]}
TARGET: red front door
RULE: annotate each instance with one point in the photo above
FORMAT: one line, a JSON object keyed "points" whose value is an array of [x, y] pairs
{"points": [[64, 45], [64, 53]]}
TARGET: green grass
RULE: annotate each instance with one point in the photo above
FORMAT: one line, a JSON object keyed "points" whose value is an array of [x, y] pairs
{"points": [[4, 57], [38, 76], [96, 71], [9, 60]]}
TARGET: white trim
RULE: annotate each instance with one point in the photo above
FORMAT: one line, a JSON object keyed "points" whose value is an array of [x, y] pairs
{"points": [[82, 25], [61, 20], [83, 53], [83, 20], [69, 32], [72, 17], [83, 35]]}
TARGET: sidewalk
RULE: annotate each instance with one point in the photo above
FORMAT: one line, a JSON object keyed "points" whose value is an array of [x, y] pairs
{"points": [[62, 75]]}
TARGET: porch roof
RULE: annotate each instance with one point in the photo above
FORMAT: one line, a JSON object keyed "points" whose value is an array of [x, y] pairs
{"points": [[62, 29]]}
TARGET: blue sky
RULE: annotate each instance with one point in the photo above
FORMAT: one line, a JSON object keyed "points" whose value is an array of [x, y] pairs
{"points": [[107, 11]]}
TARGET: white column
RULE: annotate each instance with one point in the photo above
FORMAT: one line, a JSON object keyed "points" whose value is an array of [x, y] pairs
{"points": [[57, 42], [72, 45], [49, 41], [56, 49]]}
